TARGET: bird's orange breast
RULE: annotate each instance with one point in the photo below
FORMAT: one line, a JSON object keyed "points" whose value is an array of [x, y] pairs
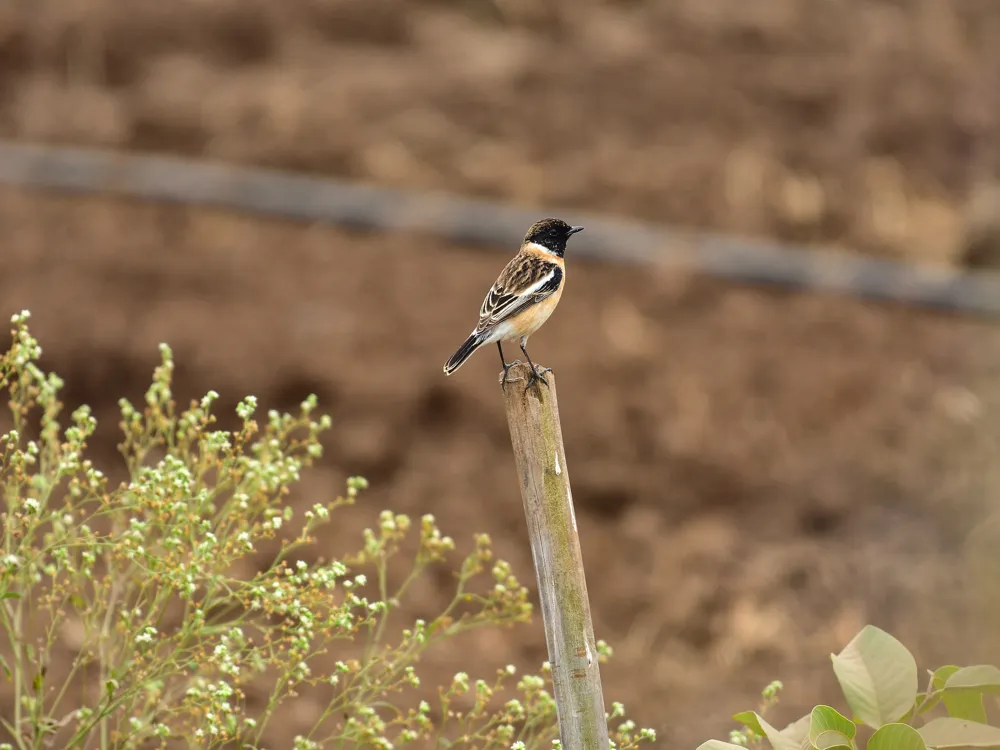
{"points": [[531, 319]]}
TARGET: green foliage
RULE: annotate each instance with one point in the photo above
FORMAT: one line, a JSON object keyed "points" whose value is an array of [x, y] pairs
{"points": [[190, 583], [896, 737], [888, 711], [878, 676]]}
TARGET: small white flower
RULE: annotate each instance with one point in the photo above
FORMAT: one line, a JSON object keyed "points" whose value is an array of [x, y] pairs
{"points": [[147, 635]]}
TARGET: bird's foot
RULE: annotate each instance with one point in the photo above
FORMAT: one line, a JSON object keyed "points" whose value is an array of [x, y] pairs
{"points": [[537, 373], [506, 369]]}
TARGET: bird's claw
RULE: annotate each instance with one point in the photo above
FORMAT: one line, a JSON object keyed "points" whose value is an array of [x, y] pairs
{"points": [[506, 369], [537, 373]]}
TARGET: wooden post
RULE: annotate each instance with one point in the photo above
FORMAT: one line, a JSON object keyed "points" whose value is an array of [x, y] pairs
{"points": [[535, 432]]}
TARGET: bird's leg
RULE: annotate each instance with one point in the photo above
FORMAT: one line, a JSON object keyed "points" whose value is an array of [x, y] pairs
{"points": [[506, 367], [537, 373]]}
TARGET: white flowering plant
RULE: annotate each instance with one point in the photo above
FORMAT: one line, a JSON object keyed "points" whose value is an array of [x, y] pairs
{"points": [[126, 622]]}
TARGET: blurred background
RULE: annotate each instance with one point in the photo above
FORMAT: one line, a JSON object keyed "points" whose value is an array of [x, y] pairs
{"points": [[758, 472]]}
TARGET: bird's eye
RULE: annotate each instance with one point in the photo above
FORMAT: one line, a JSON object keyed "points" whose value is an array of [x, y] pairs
{"points": [[553, 232]]}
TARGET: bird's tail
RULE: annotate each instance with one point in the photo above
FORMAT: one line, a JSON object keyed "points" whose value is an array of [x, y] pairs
{"points": [[464, 352]]}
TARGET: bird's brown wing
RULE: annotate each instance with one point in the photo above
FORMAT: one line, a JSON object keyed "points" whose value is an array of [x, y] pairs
{"points": [[525, 281]]}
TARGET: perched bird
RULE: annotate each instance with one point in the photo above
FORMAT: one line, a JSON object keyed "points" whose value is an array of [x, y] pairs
{"points": [[522, 298]]}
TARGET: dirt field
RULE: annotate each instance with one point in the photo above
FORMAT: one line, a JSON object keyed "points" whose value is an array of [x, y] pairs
{"points": [[870, 123], [758, 473]]}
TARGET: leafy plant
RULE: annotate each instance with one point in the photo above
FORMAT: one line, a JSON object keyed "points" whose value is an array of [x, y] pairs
{"points": [[150, 576], [888, 711]]}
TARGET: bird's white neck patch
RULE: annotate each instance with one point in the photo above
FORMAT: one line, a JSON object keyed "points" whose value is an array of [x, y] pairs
{"points": [[541, 248]]}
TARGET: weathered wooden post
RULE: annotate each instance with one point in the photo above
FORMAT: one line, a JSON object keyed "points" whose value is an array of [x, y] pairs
{"points": [[533, 417]]}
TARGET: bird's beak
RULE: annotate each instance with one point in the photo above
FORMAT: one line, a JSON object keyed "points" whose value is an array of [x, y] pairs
{"points": [[574, 230]]}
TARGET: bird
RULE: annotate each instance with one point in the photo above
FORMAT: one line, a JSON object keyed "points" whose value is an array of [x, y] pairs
{"points": [[522, 298]]}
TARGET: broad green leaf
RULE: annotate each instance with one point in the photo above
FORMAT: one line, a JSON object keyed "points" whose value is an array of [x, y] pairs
{"points": [[896, 737], [831, 739], [878, 676], [757, 723], [961, 689], [984, 678], [798, 732], [824, 718], [950, 732], [965, 704], [749, 719], [10, 595], [941, 675], [719, 745]]}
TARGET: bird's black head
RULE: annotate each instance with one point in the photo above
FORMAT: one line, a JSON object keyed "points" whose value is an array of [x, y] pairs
{"points": [[551, 234]]}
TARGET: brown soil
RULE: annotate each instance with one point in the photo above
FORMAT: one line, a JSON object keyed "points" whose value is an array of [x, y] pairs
{"points": [[869, 123], [758, 473]]}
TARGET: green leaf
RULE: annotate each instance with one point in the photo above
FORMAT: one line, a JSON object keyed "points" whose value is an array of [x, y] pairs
{"points": [[941, 675], [824, 718], [961, 689], [831, 739], [965, 704], [984, 678], [10, 595], [951, 732], [719, 745], [749, 719], [878, 676], [798, 732], [778, 740], [896, 737]]}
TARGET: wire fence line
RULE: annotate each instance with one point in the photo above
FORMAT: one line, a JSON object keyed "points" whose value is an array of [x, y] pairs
{"points": [[480, 222]]}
